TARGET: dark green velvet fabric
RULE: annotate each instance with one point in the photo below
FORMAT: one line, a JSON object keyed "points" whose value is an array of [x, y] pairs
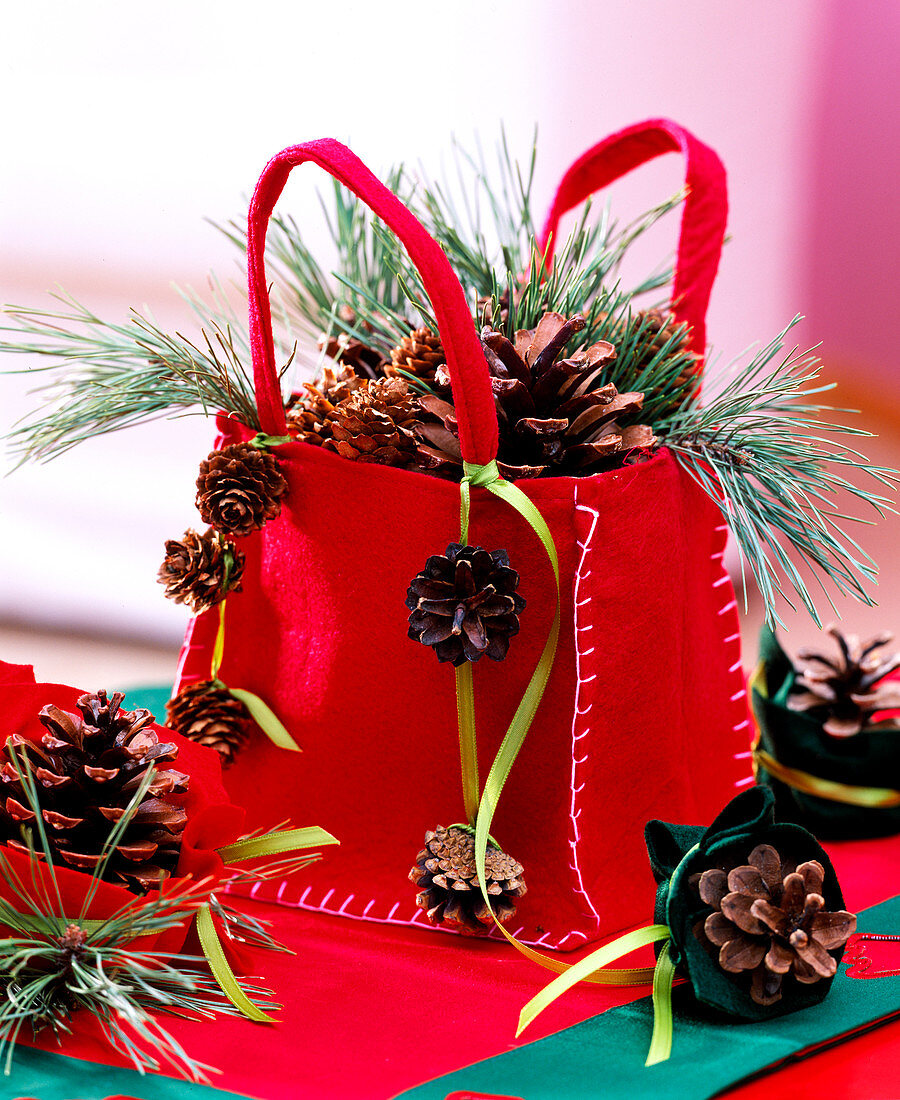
{"points": [[869, 759], [604, 1056], [748, 820]]}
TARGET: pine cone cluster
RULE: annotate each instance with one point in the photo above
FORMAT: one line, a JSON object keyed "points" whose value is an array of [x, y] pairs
{"points": [[86, 769], [464, 604], [239, 489], [450, 894], [194, 569], [769, 920], [555, 415], [420, 354], [206, 712], [374, 424], [847, 689]]}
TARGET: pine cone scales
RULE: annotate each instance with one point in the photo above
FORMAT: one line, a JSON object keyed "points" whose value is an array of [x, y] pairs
{"points": [[239, 489], [464, 604], [847, 689], [209, 714], [445, 870], [769, 920], [555, 415], [309, 414], [420, 353], [86, 769], [194, 570], [374, 424]]}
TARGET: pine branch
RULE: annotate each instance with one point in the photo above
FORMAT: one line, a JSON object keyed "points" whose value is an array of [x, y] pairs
{"points": [[762, 452]]}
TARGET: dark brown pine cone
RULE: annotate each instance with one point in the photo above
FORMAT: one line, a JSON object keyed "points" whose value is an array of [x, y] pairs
{"points": [[846, 689], [450, 894], [420, 353], [86, 769], [487, 314], [194, 570], [374, 424], [769, 921], [206, 712], [240, 489], [349, 351], [556, 416], [464, 604]]}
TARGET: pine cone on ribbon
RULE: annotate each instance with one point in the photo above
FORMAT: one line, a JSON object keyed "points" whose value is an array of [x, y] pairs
{"points": [[309, 413], [194, 570], [555, 415], [450, 894], [846, 689], [374, 424], [420, 353], [86, 769], [239, 489], [464, 604], [769, 921], [206, 712]]}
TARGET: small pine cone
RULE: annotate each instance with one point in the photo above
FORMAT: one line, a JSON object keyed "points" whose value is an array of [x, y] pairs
{"points": [[420, 353], [464, 604], [655, 328], [450, 894], [309, 413], [209, 714], [350, 352], [847, 689], [194, 570], [769, 920], [239, 489], [85, 770], [374, 424], [487, 314]]}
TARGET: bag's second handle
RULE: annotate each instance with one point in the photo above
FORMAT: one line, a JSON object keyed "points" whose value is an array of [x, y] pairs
{"points": [[466, 364], [702, 222]]}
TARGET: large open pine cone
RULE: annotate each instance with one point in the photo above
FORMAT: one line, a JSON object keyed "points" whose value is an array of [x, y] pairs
{"points": [[464, 604], [206, 712], [194, 570], [86, 769], [769, 920], [309, 413], [846, 689], [374, 424], [239, 489], [450, 894], [555, 415]]}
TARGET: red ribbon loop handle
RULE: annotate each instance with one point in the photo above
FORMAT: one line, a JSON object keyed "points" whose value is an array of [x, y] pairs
{"points": [[702, 222], [465, 359]]}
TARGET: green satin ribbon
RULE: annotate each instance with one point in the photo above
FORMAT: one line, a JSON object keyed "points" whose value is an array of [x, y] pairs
{"points": [[663, 1024], [261, 713], [270, 844]]}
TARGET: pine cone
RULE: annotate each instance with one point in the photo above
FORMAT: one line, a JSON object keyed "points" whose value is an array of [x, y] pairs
{"points": [[349, 351], [769, 920], [846, 690], [652, 330], [554, 414], [445, 870], [239, 489], [420, 353], [209, 714], [86, 770], [194, 570], [374, 424], [464, 604], [487, 314], [309, 413]]}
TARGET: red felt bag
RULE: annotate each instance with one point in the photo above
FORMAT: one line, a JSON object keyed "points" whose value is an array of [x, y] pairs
{"points": [[645, 713]]}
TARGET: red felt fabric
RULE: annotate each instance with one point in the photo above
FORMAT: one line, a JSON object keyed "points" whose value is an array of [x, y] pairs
{"points": [[465, 359], [703, 219], [212, 819], [370, 1012], [319, 631]]}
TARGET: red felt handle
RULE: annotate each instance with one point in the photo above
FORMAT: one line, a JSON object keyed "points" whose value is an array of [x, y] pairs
{"points": [[466, 364], [703, 220]]}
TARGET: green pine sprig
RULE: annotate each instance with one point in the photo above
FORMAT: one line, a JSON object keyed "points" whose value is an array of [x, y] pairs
{"points": [[777, 468], [54, 963]]}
